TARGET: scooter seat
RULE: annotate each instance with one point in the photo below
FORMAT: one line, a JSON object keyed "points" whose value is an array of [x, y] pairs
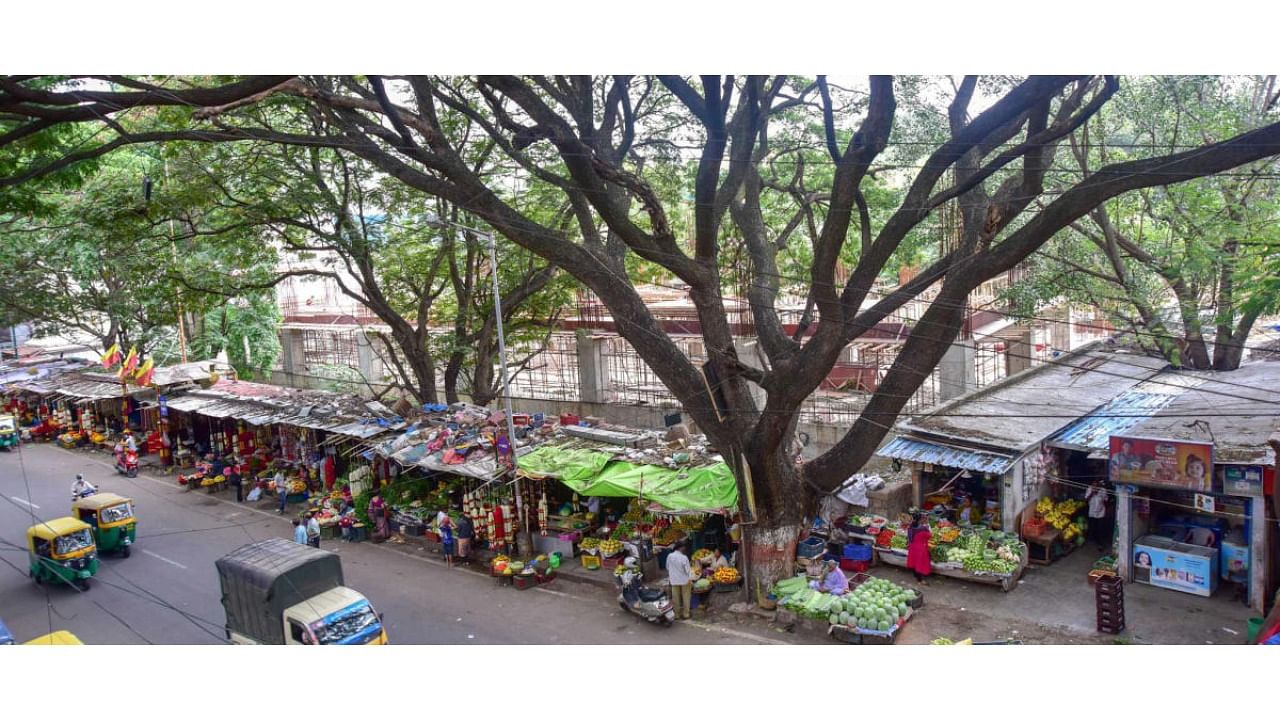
{"points": [[651, 595]]}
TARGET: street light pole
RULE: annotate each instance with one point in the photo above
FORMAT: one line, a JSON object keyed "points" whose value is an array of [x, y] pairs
{"points": [[506, 393], [523, 537]]}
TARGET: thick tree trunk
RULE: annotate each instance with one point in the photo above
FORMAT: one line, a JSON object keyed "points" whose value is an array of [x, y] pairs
{"points": [[769, 545], [452, 373]]}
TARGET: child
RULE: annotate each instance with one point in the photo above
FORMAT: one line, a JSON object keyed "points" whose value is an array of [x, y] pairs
{"points": [[446, 539]]}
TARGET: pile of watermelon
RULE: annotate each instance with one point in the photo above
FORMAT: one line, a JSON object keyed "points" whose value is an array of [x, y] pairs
{"points": [[876, 605]]}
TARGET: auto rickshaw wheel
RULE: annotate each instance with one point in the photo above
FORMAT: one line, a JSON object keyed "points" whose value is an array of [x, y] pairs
{"points": [[125, 552], [83, 585], [36, 575]]}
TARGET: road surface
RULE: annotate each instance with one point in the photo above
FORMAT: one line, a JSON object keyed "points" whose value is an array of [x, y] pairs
{"points": [[167, 591]]}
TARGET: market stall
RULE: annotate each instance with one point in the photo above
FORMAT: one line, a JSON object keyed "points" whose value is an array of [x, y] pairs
{"points": [[974, 553], [871, 611]]}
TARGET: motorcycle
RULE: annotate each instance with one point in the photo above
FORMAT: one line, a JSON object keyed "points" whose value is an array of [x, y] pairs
{"points": [[82, 494], [655, 605], [127, 463]]}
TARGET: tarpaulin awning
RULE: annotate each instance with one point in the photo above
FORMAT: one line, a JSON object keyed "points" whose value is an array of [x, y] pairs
{"points": [[594, 473], [905, 448], [576, 464]]}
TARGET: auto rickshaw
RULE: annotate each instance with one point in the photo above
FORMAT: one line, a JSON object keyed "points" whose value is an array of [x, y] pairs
{"points": [[58, 637], [62, 550], [8, 432], [111, 516]]}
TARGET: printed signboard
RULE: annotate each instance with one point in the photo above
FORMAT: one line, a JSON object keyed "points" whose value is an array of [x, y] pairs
{"points": [[1162, 463], [1242, 480]]}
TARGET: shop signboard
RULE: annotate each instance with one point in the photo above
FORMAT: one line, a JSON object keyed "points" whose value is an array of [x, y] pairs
{"points": [[1241, 480], [1185, 572], [1179, 464], [164, 406]]}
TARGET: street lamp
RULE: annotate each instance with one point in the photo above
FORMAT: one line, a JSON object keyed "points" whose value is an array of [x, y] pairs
{"points": [[437, 222]]}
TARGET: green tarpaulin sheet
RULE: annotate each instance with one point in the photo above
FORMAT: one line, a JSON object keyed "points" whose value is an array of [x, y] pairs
{"points": [[591, 473], [568, 465]]}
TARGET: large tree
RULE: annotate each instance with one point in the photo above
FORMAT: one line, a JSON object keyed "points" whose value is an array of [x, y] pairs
{"points": [[599, 142], [1172, 262]]}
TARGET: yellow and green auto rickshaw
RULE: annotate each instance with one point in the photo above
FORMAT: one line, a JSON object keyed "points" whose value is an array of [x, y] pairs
{"points": [[8, 432], [62, 550], [58, 637], [111, 516]]}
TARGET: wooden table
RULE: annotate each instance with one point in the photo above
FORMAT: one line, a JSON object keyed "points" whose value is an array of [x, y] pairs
{"points": [[1040, 547]]}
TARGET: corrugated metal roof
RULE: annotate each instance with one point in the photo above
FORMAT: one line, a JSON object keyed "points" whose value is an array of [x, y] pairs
{"points": [[904, 448], [1094, 431]]}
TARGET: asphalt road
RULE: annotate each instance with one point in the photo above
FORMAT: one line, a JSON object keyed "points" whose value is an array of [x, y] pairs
{"points": [[167, 591]]}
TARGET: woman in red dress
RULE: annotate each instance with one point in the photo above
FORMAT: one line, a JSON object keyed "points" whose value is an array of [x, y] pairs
{"points": [[918, 536]]}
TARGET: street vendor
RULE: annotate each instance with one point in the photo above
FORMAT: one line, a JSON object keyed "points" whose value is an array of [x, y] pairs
{"points": [[833, 581]]}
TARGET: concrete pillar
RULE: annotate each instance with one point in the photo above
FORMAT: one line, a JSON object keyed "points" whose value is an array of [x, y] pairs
{"points": [[366, 358], [1259, 558], [292, 358], [1124, 532], [958, 374], [1018, 355], [750, 354], [593, 369]]}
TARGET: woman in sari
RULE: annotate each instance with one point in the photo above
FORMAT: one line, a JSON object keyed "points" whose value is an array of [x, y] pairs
{"points": [[918, 536], [378, 513]]}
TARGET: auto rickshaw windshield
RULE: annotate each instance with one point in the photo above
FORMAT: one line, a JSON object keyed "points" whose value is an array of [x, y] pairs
{"points": [[116, 513], [7, 424], [350, 623], [73, 542]]}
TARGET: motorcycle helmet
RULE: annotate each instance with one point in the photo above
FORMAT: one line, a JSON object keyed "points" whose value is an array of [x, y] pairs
{"points": [[629, 563], [79, 476]]}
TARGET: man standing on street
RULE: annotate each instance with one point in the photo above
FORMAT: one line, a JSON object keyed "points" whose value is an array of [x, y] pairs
{"points": [[313, 531], [282, 490], [680, 578], [1099, 530], [299, 532], [233, 477]]}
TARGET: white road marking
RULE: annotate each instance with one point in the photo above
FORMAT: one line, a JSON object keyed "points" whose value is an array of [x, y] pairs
{"points": [[163, 558], [24, 502], [736, 633]]}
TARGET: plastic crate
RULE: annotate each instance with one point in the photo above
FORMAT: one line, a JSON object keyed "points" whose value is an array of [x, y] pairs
{"points": [[591, 562], [811, 547], [854, 566], [524, 582], [856, 552]]}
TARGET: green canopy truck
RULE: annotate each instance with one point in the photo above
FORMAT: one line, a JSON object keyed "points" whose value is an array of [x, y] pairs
{"points": [[277, 592]]}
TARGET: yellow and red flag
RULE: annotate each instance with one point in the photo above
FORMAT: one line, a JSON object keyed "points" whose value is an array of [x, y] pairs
{"points": [[111, 357], [130, 363], [146, 371]]}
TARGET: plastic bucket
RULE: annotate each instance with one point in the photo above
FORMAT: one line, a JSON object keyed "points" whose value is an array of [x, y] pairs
{"points": [[1255, 627]]}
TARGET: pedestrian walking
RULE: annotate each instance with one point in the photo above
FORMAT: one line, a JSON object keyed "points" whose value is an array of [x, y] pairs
{"points": [[680, 577], [378, 514], [446, 540], [282, 490], [466, 533], [918, 536], [299, 532], [233, 477], [313, 531]]}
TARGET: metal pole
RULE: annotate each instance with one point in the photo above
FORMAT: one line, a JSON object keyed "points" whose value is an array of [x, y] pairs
{"points": [[506, 387]]}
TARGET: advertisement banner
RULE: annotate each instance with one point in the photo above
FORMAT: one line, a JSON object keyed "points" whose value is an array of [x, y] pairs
{"points": [[1175, 571], [1242, 480], [1176, 464]]}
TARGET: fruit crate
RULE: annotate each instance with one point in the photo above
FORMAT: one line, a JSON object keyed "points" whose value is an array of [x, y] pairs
{"points": [[1095, 575], [591, 562], [544, 578], [524, 582]]}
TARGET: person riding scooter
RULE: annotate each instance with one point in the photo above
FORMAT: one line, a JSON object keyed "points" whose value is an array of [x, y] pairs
{"points": [[82, 488]]}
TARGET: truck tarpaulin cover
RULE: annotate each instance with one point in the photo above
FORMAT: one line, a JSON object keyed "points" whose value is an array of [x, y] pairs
{"points": [[260, 580], [591, 473]]}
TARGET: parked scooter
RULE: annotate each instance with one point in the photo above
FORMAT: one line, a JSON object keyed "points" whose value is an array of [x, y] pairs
{"points": [[127, 463], [654, 605]]}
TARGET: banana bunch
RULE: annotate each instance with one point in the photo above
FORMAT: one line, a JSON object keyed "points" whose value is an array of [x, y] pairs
{"points": [[1044, 505]]}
